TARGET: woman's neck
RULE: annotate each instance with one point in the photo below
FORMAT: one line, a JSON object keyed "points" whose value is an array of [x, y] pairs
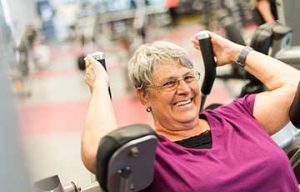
{"points": [[187, 131]]}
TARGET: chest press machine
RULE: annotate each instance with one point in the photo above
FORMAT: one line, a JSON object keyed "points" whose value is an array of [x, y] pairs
{"points": [[126, 160]]}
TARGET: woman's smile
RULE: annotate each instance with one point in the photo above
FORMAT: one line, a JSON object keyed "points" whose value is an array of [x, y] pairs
{"points": [[183, 103]]}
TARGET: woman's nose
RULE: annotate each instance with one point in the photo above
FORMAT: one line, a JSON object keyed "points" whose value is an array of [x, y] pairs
{"points": [[182, 86]]}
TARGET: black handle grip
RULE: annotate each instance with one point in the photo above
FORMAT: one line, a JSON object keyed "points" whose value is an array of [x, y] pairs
{"points": [[209, 62], [100, 57], [295, 109]]}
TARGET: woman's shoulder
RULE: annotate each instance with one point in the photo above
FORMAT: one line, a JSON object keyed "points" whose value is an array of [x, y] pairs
{"points": [[237, 111], [241, 105]]}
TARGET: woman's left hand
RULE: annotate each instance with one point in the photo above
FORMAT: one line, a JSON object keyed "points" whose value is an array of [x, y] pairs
{"points": [[225, 51]]}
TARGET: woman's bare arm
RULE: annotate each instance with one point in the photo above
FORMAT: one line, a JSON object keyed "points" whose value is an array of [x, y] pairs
{"points": [[271, 107], [100, 118]]}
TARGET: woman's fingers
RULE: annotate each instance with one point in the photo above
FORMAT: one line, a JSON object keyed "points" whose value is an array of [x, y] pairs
{"points": [[90, 75], [195, 42], [94, 72], [88, 60]]}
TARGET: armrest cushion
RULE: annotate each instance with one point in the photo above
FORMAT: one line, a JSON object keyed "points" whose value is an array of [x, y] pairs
{"points": [[113, 141], [295, 109]]}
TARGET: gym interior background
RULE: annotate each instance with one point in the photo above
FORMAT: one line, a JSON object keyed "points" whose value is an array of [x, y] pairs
{"points": [[43, 95]]}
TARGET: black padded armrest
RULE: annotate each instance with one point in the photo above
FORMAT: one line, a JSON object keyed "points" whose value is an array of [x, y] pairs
{"points": [[265, 34], [295, 109], [261, 40], [280, 31], [113, 141]]}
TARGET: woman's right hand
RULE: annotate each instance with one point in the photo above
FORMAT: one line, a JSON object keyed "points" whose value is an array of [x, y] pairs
{"points": [[95, 74]]}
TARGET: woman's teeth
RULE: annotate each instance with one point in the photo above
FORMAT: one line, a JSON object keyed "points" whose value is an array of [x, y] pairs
{"points": [[184, 102]]}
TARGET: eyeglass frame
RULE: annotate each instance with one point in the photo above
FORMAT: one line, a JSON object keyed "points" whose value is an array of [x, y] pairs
{"points": [[196, 75]]}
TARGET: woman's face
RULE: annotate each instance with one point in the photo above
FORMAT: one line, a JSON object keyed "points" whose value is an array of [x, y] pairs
{"points": [[176, 106]]}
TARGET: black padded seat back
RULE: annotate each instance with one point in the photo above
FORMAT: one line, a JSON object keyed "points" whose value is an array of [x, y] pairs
{"points": [[279, 30], [295, 109], [265, 34], [261, 41], [262, 38], [110, 143]]}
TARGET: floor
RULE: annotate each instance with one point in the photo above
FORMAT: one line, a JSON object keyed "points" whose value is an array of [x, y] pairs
{"points": [[52, 117]]}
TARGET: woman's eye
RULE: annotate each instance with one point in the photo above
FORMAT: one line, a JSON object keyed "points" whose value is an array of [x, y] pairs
{"points": [[189, 78], [169, 84]]}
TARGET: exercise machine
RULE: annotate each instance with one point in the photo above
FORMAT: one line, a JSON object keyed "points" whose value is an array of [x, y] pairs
{"points": [[126, 160], [126, 163], [14, 176], [288, 137], [274, 39]]}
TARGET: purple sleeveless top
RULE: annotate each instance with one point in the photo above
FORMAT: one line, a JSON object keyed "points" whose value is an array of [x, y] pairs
{"points": [[243, 157]]}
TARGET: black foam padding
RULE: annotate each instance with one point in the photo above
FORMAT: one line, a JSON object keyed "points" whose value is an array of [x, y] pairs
{"points": [[261, 41], [102, 61], [294, 112], [81, 63], [112, 142], [209, 65]]}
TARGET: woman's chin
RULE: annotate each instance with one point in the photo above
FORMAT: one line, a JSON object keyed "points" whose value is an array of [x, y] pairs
{"points": [[187, 118]]}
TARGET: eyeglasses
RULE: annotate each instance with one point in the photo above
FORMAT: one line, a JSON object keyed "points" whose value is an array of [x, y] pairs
{"points": [[172, 84]]}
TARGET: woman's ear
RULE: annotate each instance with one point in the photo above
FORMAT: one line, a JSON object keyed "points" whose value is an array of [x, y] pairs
{"points": [[143, 96]]}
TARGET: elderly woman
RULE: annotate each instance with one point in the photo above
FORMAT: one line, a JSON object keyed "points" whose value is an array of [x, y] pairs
{"points": [[225, 149]]}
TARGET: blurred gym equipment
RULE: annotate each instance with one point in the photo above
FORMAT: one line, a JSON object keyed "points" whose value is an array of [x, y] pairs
{"points": [[125, 163], [13, 174]]}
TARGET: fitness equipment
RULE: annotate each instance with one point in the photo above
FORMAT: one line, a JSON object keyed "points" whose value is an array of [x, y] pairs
{"points": [[295, 109], [287, 138], [272, 39], [126, 159], [287, 135], [276, 37], [288, 15], [214, 10], [294, 152], [14, 175], [233, 33], [125, 163], [100, 57], [209, 65], [290, 54], [227, 16], [85, 27], [118, 171], [268, 35], [279, 35]]}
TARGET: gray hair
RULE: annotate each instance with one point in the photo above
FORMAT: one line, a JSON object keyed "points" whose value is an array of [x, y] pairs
{"points": [[149, 56]]}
